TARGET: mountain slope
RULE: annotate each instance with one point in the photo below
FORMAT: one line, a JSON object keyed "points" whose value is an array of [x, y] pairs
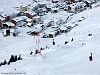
{"points": [[69, 59]]}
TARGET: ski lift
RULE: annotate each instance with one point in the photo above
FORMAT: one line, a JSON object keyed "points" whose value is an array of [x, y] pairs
{"points": [[38, 50]]}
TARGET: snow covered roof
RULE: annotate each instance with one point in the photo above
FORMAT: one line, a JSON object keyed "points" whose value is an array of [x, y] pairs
{"points": [[51, 32], [10, 24], [72, 25], [49, 5], [55, 0], [89, 1], [29, 24], [41, 3], [20, 18], [63, 28], [28, 19], [54, 8], [32, 13], [77, 4], [43, 9]]}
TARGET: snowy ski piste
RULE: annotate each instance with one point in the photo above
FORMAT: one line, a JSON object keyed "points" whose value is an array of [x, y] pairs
{"points": [[79, 56]]}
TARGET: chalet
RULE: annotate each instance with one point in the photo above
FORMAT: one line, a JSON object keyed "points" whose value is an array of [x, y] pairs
{"points": [[95, 5], [55, 1], [19, 20], [88, 3], [35, 8], [76, 7], [24, 8], [9, 25], [48, 7], [50, 23], [70, 24], [41, 4], [34, 33], [37, 18], [20, 14], [2, 18], [14, 22], [8, 32], [29, 22], [7, 18], [28, 15], [10, 16], [62, 6], [39, 28], [47, 22], [71, 1], [83, 6], [4, 26], [51, 33], [11, 32], [41, 11], [63, 29], [54, 10]]}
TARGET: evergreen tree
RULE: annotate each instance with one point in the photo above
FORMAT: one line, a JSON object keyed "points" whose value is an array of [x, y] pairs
{"points": [[4, 62], [19, 58], [0, 64], [9, 63], [12, 59], [15, 58]]}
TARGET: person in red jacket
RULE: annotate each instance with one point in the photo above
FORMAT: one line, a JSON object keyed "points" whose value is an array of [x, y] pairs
{"points": [[90, 57]]}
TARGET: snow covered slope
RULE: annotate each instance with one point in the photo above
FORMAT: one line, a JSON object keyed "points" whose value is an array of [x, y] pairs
{"points": [[69, 59], [8, 6]]}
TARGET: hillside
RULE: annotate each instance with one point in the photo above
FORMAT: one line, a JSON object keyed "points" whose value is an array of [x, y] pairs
{"points": [[59, 59], [8, 6]]}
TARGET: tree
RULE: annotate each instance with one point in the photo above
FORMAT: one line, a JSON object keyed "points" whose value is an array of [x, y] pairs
{"points": [[4, 62], [19, 58], [12, 59], [15, 58]]}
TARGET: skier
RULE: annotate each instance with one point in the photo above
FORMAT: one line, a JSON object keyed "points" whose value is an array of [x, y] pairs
{"points": [[90, 57], [53, 42], [72, 40]]}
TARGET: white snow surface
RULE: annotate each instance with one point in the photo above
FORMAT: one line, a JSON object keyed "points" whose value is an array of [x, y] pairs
{"points": [[69, 59]]}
